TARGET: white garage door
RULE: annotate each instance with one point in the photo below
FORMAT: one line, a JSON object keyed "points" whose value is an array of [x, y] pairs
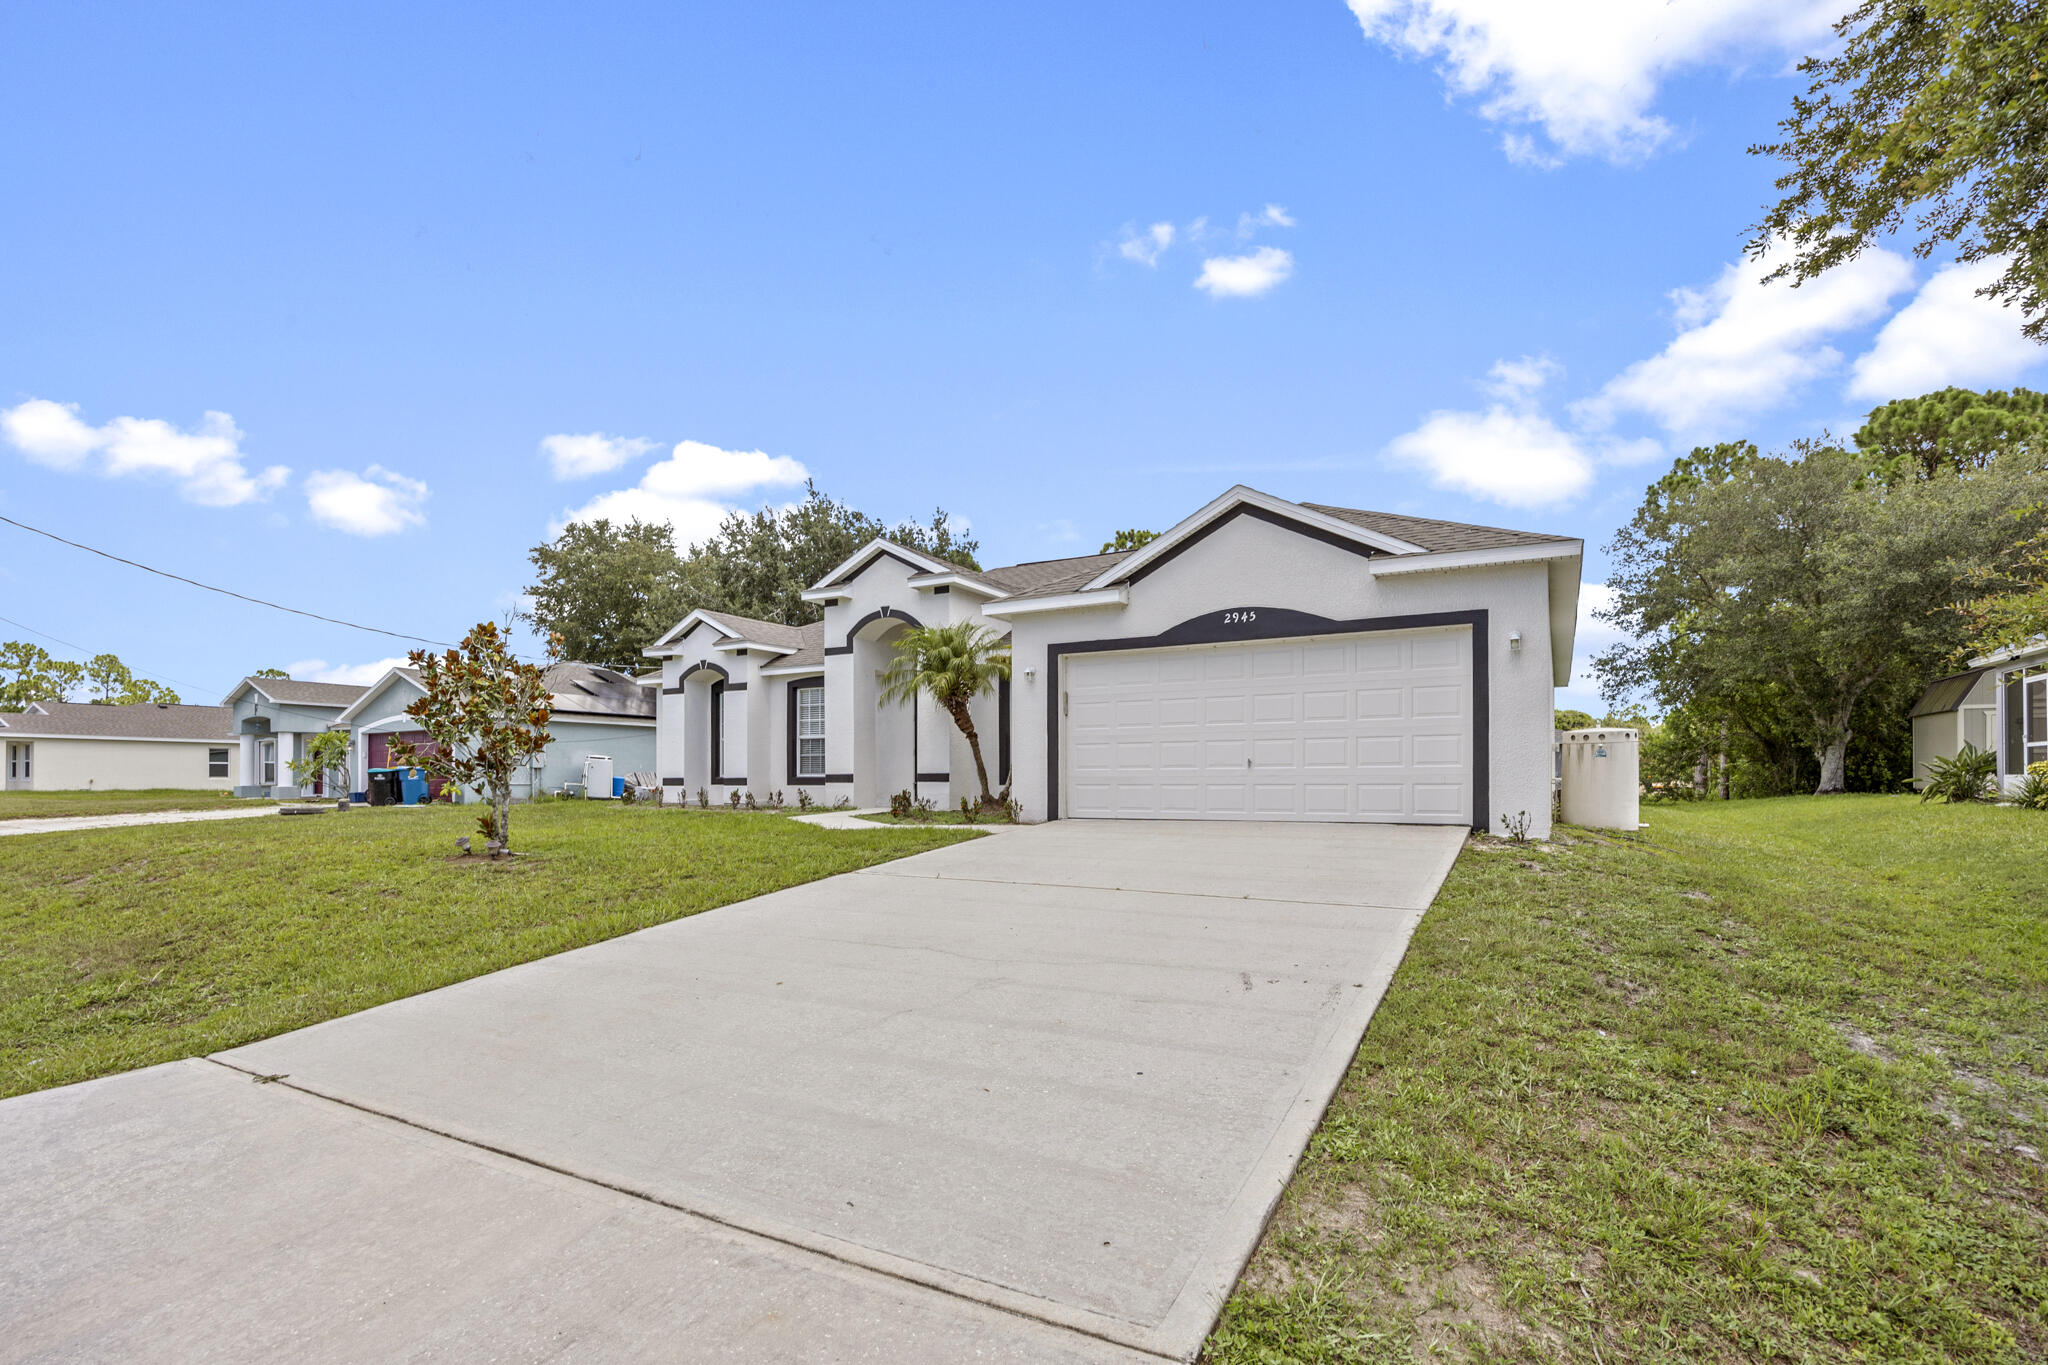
{"points": [[1349, 727]]}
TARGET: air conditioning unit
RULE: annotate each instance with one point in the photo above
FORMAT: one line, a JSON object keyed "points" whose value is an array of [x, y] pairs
{"points": [[597, 777]]}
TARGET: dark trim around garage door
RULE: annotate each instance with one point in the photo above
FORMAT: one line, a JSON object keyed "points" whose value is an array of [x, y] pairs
{"points": [[1278, 623]]}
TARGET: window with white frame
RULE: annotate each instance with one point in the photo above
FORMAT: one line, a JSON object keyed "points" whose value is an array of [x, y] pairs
{"points": [[216, 762], [810, 732], [20, 760]]}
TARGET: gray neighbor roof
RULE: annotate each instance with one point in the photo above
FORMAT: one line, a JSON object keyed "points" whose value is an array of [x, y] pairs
{"points": [[588, 690], [292, 692], [1946, 694], [143, 720]]}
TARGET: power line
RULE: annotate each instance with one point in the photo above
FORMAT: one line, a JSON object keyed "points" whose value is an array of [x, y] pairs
{"points": [[180, 578], [23, 625]]}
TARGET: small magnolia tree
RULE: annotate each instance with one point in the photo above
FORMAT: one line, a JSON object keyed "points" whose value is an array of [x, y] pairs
{"points": [[956, 664], [487, 714], [326, 755]]}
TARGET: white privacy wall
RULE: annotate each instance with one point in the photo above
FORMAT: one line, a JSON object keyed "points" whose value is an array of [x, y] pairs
{"points": [[1250, 563]]}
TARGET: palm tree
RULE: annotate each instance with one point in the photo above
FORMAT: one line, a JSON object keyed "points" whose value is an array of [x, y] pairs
{"points": [[956, 664]]}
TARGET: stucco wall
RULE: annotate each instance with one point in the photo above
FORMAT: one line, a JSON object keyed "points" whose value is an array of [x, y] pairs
{"points": [[1250, 563], [127, 764]]}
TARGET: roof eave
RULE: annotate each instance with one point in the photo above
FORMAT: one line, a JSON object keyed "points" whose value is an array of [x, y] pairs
{"points": [[1444, 561], [1084, 600]]}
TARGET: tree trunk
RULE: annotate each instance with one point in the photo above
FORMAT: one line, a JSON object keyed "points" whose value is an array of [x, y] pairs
{"points": [[501, 813], [965, 721], [1724, 760], [1834, 768], [1699, 775]]}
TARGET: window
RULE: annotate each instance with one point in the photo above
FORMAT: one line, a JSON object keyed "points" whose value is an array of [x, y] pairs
{"points": [[266, 762], [20, 758], [810, 732], [216, 762]]}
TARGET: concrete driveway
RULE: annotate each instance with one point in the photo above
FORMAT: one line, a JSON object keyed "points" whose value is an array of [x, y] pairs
{"points": [[1023, 1098]]}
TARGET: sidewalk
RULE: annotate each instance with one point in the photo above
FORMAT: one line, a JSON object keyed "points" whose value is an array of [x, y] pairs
{"points": [[64, 823]]}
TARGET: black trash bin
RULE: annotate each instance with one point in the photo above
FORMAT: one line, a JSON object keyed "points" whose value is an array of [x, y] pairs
{"points": [[383, 789]]}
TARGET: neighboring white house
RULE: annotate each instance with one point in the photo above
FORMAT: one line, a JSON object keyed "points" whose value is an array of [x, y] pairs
{"points": [[1999, 704], [1261, 660], [272, 718], [70, 746], [597, 711]]}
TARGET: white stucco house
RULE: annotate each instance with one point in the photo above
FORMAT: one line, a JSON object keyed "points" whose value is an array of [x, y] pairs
{"points": [[72, 746], [1998, 704], [1260, 660], [597, 711]]}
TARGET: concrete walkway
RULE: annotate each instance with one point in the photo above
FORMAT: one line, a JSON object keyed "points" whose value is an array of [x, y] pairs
{"points": [[58, 824], [851, 819], [1028, 1098]]}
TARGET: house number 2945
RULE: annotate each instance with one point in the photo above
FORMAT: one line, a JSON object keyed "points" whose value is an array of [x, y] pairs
{"points": [[1239, 618]]}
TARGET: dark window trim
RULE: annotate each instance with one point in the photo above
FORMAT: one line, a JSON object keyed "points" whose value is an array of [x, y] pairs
{"points": [[706, 666], [1003, 733], [1323, 534], [717, 732], [934, 777], [942, 589], [671, 781], [789, 730], [1281, 623], [834, 777]]}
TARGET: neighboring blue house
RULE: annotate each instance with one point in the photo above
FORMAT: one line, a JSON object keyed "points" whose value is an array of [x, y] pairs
{"points": [[597, 711], [271, 719]]}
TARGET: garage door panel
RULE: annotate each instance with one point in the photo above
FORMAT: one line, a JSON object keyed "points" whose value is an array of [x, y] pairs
{"points": [[1276, 708], [1438, 701], [1364, 727], [1382, 703], [1439, 751]]}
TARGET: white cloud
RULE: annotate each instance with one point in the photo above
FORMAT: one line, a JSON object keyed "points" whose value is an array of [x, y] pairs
{"points": [[1148, 246], [1505, 455], [1586, 72], [376, 502], [206, 464], [1515, 380], [1245, 277], [1745, 347], [1270, 216], [578, 457], [356, 675], [685, 490], [1947, 335]]}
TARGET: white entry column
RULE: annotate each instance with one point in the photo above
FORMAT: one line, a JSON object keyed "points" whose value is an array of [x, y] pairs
{"points": [[248, 761], [285, 755]]}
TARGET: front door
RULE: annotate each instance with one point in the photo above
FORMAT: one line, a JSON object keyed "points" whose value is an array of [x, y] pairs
{"points": [[21, 757], [2036, 707]]}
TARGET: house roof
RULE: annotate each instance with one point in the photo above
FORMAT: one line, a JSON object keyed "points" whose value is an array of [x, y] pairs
{"points": [[588, 690], [143, 720], [810, 650], [1431, 535], [292, 692], [1946, 694], [759, 631]]}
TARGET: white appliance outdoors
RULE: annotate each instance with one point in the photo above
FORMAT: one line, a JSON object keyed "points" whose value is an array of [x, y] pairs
{"points": [[597, 777], [1602, 778]]}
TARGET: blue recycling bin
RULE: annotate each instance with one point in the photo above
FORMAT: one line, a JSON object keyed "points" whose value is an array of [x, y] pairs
{"points": [[619, 787], [412, 787]]}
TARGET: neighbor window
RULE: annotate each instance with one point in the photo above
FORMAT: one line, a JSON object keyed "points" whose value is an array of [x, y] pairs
{"points": [[19, 759], [810, 732], [216, 762]]}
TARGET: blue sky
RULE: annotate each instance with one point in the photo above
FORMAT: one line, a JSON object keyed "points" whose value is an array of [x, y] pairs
{"points": [[293, 300]]}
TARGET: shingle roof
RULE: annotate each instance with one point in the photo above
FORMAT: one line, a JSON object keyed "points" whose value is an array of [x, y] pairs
{"points": [[763, 632], [1046, 577], [292, 692], [588, 690], [1946, 694], [1432, 535], [144, 720], [810, 651]]}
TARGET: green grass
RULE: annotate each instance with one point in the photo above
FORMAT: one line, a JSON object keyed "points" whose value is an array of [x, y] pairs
{"points": [[34, 805], [1767, 1081], [124, 947]]}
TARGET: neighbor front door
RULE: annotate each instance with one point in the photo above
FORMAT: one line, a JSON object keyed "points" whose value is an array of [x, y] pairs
{"points": [[21, 757]]}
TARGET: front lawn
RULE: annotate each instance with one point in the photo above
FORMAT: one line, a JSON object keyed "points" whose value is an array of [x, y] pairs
{"points": [[1766, 1081], [124, 947], [35, 805]]}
